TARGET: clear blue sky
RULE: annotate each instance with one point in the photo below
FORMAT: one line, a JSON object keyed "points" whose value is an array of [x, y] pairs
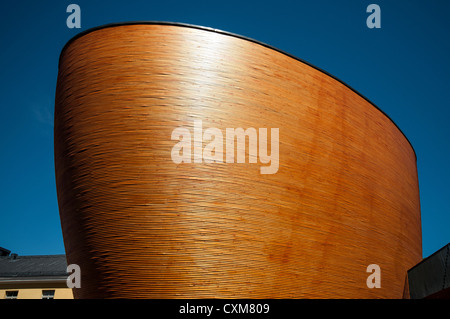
{"points": [[404, 68]]}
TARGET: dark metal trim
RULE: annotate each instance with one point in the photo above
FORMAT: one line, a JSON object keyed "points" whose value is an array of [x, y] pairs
{"points": [[186, 25]]}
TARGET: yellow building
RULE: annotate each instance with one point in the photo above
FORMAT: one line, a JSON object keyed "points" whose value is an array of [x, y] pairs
{"points": [[33, 277]]}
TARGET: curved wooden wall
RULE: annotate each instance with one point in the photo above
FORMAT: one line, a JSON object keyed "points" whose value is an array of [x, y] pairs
{"points": [[140, 226]]}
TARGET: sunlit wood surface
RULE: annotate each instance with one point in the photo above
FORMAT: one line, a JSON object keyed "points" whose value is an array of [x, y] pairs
{"points": [[140, 226]]}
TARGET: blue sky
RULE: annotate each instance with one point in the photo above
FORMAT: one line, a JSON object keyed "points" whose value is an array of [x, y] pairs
{"points": [[403, 68]]}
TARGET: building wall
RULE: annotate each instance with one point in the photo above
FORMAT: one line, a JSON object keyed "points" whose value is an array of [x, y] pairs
{"points": [[139, 225], [36, 293]]}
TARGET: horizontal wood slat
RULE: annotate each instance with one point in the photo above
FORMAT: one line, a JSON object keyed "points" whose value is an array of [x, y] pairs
{"points": [[141, 226]]}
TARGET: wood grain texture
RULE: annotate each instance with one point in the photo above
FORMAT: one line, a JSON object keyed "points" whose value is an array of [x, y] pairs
{"points": [[140, 226]]}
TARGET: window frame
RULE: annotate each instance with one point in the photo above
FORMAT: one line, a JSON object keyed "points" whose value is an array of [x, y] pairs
{"points": [[48, 294], [15, 294]]}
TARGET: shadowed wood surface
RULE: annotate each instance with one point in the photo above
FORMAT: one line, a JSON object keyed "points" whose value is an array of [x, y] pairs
{"points": [[140, 226]]}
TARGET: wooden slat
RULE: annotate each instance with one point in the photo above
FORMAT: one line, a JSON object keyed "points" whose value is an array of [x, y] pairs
{"points": [[140, 226]]}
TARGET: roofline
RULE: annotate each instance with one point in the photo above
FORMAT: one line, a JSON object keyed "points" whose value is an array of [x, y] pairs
{"points": [[31, 256], [33, 279], [186, 25], [429, 257], [32, 274]]}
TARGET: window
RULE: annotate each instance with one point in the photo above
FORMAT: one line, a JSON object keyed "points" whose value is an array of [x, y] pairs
{"points": [[48, 294], [11, 294]]}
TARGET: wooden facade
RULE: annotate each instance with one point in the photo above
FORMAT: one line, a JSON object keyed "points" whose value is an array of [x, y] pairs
{"points": [[345, 194]]}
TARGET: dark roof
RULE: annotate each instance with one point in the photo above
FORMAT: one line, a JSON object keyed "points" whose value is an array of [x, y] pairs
{"points": [[32, 266], [431, 276]]}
